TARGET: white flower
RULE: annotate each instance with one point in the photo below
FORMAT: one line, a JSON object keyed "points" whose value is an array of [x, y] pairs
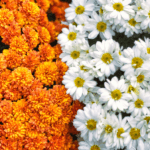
{"points": [[97, 25], [77, 83], [114, 94], [106, 57], [70, 36], [79, 9], [133, 59], [139, 104], [87, 121], [118, 10], [121, 128], [93, 145]]}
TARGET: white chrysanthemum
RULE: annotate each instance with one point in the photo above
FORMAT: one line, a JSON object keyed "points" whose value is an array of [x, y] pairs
{"points": [[133, 58], [79, 9], [106, 57], [77, 83], [72, 55], [72, 35], [143, 15], [139, 78], [118, 10], [93, 145], [139, 104], [114, 94], [133, 138], [129, 27], [97, 25], [137, 6], [121, 128], [86, 121]]}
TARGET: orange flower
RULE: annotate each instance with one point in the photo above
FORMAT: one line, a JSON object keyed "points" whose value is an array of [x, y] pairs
{"points": [[12, 4], [13, 59], [44, 35], [74, 145], [43, 21], [32, 60], [47, 52], [31, 37], [58, 51], [62, 68], [19, 45], [47, 73], [3, 64], [43, 4]]}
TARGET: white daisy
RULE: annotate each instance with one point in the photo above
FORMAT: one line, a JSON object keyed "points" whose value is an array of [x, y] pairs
{"points": [[133, 58], [79, 9], [132, 88], [106, 57], [118, 10], [93, 145], [77, 83], [97, 25], [86, 121], [139, 104], [72, 35], [114, 94]]}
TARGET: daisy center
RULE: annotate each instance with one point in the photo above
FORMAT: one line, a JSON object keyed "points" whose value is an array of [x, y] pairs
{"points": [[138, 103], [101, 26], [120, 131], [118, 6], [75, 54], [149, 14], [107, 58], [135, 133], [147, 119], [91, 124], [87, 51], [101, 11], [137, 62], [130, 88], [139, 7], [79, 82], [74, 23], [95, 147], [148, 50], [116, 94], [132, 22], [119, 52], [79, 10], [140, 78], [72, 36], [82, 68], [108, 129]]}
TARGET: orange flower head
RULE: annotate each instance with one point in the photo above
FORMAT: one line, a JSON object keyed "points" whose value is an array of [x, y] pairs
{"points": [[43, 21], [44, 35], [51, 29], [13, 59], [31, 60], [47, 73], [47, 52], [3, 64], [19, 45], [58, 51], [43, 4], [12, 5]]}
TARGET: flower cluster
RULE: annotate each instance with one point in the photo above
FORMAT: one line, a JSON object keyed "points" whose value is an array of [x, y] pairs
{"points": [[35, 111], [117, 114]]}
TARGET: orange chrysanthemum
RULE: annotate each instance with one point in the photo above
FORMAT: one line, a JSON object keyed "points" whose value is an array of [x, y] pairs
{"points": [[43, 21], [58, 51], [47, 52], [47, 73], [43, 4], [3, 64]]}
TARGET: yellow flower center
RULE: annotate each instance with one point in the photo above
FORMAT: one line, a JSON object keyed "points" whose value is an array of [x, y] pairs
{"points": [[72, 36], [147, 119], [108, 129], [118, 6], [91, 124], [140, 78], [148, 50], [135, 133], [74, 23], [132, 22], [120, 131], [82, 68], [149, 14], [95, 147], [75, 54], [101, 26], [101, 11], [107, 58], [119, 52], [79, 10], [138, 103], [130, 88], [87, 51], [137, 62], [139, 7], [116, 94], [79, 82]]}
